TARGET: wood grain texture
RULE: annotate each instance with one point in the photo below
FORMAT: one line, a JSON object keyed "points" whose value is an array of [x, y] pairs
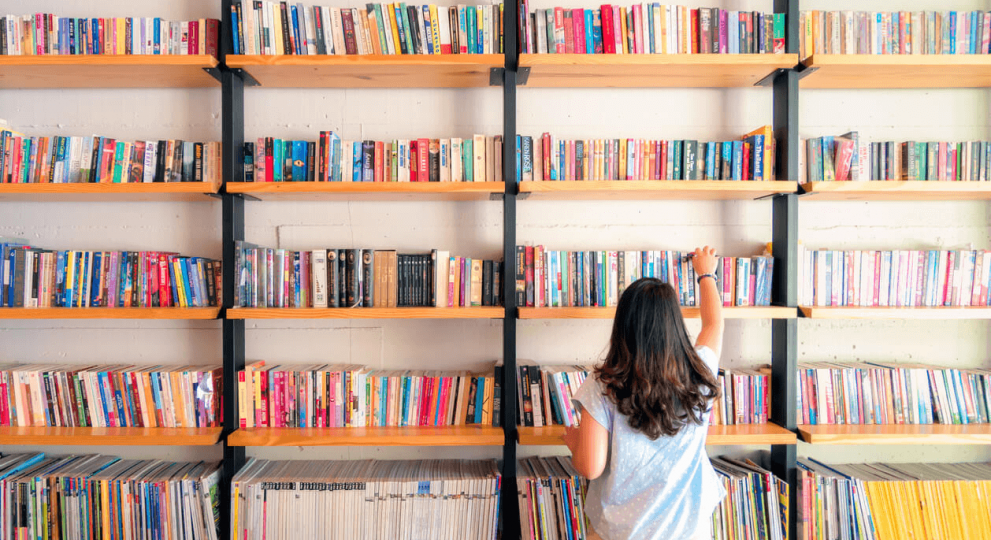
{"points": [[687, 312], [62, 436], [107, 71], [651, 70], [898, 71], [368, 191], [367, 313], [895, 191], [718, 435], [655, 190], [150, 192], [370, 436], [110, 313], [897, 434], [369, 71], [923, 313]]}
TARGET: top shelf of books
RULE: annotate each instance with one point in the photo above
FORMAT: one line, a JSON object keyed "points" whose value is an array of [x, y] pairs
{"points": [[651, 70], [898, 71], [108, 71], [369, 71]]}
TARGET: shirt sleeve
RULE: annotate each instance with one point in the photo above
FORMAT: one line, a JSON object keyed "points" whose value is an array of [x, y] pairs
{"points": [[590, 398], [710, 359]]}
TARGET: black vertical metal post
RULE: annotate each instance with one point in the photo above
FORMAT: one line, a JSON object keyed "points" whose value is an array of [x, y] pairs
{"points": [[510, 503], [784, 332], [232, 119]]}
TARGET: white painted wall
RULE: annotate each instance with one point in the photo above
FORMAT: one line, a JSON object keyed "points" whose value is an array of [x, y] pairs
{"points": [[475, 228]]}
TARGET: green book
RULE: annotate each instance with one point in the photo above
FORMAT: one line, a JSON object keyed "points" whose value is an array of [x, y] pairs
{"points": [[118, 162]]}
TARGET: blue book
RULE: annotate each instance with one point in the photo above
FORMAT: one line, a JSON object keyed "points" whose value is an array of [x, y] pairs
{"points": [[429, 37], [356, 161], [405, 402], [974, 33], [953, 32], [95, 25], [196, 270], [710, 160], [295, 29], [184, 269], [596, 32], [295, 268], [299, 161], [277, 149], [479, 399], [589, 33], [401, 27], [470, 28], [97, 286], [757, 163], [157, 41], [237, 43], [368, 161], [737, 160], [105, 400], [335, 156]]}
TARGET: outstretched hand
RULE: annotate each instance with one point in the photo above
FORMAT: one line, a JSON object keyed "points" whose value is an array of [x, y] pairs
{"points": [[704, 260]]}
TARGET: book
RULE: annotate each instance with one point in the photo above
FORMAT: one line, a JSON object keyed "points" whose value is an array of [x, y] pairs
{"points": [[596, 279], [372, 29], [43, 34]]}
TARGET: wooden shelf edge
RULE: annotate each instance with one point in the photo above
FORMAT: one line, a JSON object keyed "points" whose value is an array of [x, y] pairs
{"points": [[771, 60], [763, 312], [742, 434], [68, 436], [880, 60], [384, 189], [380, 436], [972, 434], [895, 190], [368, 60], [920, 313], [714, 189], [203, 60], [110, 313], [366, 313], [162, 190]]}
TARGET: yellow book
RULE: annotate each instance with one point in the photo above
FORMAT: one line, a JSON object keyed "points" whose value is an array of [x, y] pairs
{"points": [[242, 406], [622, 160], [624, 37], [146, 382], [768, 133], [183, 302], [256, 381], [178, 399], [487, 401], [277, 24], [373, 29], [435, 28], [121, 32], [395, 28]]}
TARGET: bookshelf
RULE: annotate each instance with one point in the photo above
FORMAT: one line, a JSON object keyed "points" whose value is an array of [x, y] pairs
{"points": [[654, 190], [897, 71], [366, 313], [920, 313], [108, 71], [370, 436], [895, 191], [365, 191], [109, 436], [761, 434], [651, 70], [369, 71], [150, 192], [771, 312], [896, 434], [111, 313]]}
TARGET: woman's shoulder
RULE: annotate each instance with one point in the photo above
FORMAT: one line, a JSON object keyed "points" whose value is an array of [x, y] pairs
{"points": [[709, 357]]}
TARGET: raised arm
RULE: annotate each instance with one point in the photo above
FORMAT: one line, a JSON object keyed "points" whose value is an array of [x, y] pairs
{"points": [[710, 304]]}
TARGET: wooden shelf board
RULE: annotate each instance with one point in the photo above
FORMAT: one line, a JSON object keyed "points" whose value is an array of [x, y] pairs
{"points": [[107, 71], [925, 313], [651, 70], [368, 191], [110, 313], [897, 434], [718, 435], [150, 192], [898, 71], [369, 71], [896, 191], [367, 313], [654, 189], [121, 436], [772, 312], [370, 436]]}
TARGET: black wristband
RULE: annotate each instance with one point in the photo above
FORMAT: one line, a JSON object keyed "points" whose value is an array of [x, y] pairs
{"points": [[699, 279]]}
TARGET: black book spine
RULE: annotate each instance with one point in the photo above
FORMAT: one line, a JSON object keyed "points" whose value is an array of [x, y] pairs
{"points": [[473, 389], [20, 265], [333, 286], [527, 405], [318, 24], [520, 276], [353, 276], [285, 28], [342, 282], [287, 162], [177, 163], [425, 280], [249, 162], [487, 283], [367, 277], [311, 160], [431, 279], [211, 284], [434, 163], [94, 159], [198, 162], [160, 162], [368, 161], [35, 274], [415, 30], [497, 283], [497, 398]]}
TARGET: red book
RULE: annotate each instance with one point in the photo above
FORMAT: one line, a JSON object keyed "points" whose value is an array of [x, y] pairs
{"points": [[194, 38], [695, 31], [212, 36], [569, 33], [608, 38], [411, 160], [637, 25], [657, 160], [269, 160], [578, 30], [745, 173], [423, 159], [664, 161], [559, 30], [379, 161]]}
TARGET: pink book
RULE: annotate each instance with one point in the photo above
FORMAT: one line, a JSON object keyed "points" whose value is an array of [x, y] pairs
{"points": [[445, 393], [617, 30], [261, 413], [637, 35], [919, 279], [451, 277], [753, 286], [723, 33], [538, 276], [727, 281], [877, 278], [578, 22], [275, 411]]}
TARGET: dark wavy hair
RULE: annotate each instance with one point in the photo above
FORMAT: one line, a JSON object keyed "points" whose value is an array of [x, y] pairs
{"points": [[652, 372]]}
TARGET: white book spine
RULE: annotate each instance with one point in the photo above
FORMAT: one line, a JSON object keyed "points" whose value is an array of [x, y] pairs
{"points": [[151, 154], [311, 31], [457, 174], [441, 273], [86, 159], [319, 278], [328, 31], [390, 44], [445, 160], [338, 30], [478, 158], [347, 161], [76, 144]]}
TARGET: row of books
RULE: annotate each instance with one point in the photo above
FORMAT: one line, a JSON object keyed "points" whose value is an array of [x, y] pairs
{"points": [[265, 27], [551, 499], [918, 278], [544, 394], [756, 503], [110, 396], [73, 160], [478, 159], [48, 34], [744, 397], [317, 396], [95, 496], [333, 278], [848, 158], [888, 393], [550, 158], [650, 29], [894, 32], [546, 278], [343, 500], [874, 501], [39, 278]]}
